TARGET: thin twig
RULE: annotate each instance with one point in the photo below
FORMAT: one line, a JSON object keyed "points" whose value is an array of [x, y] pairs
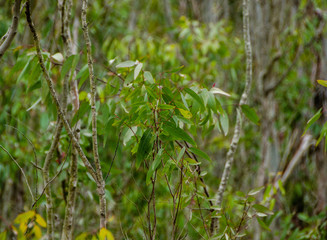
{"points": [[52, 179], [12, 158], [113, 159]]}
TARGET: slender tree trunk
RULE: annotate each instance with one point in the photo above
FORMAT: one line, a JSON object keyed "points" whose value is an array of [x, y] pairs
{"points": [[243, 100], [70, 49], [98, 173]]}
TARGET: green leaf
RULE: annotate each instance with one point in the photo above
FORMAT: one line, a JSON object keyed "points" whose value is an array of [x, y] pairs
{"points": [[177, 133], [165, 106], [83, 74], [200, 153], [25, 70], [73, 67], [157, 160], [36, 85], [281, 188], [67, 66], [126, 64], [155, 164], [181, 154], [191, 161], [212, 102], [195, 96], [262, 209], [137, 70], [223, 122], [263, 225], [322, 82], [148, 77], [250, 113], [84, 107], [83, 71], [312, 120], [144, 148]]}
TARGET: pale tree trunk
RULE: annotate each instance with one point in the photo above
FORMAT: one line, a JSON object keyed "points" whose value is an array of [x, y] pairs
{"points": [[209, 13], [269, 20], [320, 100]]}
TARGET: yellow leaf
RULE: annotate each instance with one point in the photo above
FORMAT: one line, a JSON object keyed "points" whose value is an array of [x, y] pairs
{"points": [[14, 229], [24, 217], [37, 231], [22, 227], [3, 235], [82, 236], [185, 113], [105, 234], [40, 221], [322, 82]]}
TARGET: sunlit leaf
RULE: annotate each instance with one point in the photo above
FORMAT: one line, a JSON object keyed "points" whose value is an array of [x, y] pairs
{"points": [[148, 77], [185, 113], [137, 70], [125, 64], [322, 82], [57, 58], [215, 90]]}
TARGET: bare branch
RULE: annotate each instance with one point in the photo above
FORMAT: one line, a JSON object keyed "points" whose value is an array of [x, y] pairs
{"points": [[10, 35]]}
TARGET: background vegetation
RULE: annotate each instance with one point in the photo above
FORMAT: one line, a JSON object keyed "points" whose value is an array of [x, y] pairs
{"points": [[126, 120]]}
